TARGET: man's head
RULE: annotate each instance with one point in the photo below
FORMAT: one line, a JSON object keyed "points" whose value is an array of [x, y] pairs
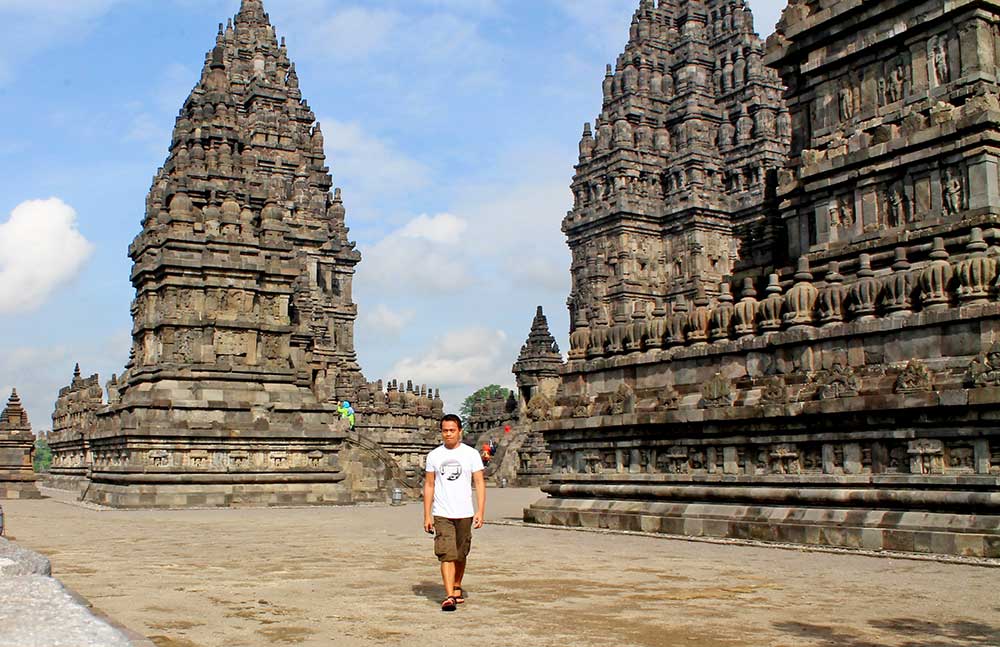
{"points": [[451, 430]]}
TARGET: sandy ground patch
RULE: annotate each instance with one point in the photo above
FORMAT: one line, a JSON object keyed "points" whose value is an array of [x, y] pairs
{"points": [[367, 576]]}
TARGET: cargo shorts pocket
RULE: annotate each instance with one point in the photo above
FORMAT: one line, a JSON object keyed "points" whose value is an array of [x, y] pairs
{"points": [[441, 545]]}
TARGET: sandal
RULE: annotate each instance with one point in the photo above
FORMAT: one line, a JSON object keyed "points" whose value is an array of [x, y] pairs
{"points": [[459, 595], [449, 604]]}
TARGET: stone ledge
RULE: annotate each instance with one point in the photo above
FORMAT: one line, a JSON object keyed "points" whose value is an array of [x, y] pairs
{"points": [[908, 532], [36, 609], [985, 504]]}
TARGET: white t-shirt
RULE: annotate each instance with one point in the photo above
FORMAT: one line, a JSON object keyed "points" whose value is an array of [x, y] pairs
{"points": [[453, 469]]}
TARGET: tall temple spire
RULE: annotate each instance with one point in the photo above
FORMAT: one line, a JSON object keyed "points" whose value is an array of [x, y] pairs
{"points": [[671, 184], [247, 173], [246, 185], [243, 317]]}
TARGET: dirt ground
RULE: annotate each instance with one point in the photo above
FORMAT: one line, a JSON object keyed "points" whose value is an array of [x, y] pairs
{"points": [[367, 576]]}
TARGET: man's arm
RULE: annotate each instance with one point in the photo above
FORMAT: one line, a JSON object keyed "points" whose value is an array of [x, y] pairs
{"points": [[428, 501], [480, 482]]}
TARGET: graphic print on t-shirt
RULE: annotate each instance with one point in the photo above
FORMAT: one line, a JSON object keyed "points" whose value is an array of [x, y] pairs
{"points": [[451, 469]]}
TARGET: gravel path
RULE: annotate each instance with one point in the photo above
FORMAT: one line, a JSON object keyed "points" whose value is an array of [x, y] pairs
{"points": [[367, 576]]}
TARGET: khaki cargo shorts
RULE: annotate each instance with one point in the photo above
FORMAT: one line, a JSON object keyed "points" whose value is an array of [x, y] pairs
{"points": [[452, 539]]}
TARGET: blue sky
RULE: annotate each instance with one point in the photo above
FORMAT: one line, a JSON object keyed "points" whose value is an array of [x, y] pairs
{"points": [[452, 126]]}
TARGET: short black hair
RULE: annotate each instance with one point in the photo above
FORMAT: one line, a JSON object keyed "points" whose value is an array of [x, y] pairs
{"points": [[451, 417]]}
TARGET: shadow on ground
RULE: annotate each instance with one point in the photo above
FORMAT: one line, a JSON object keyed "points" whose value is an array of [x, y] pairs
{"points": [[433, 591], [899, 632]]}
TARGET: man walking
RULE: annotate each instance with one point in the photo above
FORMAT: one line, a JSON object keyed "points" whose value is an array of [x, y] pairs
{"points": [[448, 513]]}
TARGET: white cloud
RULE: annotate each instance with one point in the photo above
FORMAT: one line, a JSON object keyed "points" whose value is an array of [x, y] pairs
{"points": [[461, 359], [176, 83], [460, 362], [766, 14], [605, 22], [415, 52], [354, 33], [515, 225], [383, 323], [368, 167], [465, 6], [444, 228], [40, 249], [38, 372], [420, 257], [149, 130]]}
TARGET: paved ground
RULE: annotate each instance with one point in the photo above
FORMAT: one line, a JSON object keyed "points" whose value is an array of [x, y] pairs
{"points": [[367, 576]]}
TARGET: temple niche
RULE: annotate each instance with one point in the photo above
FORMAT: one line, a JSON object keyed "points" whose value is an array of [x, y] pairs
{"points": [[824, 378], [17, 451], [243, 316]]}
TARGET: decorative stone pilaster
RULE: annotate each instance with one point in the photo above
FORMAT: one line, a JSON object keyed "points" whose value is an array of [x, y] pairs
{"points": [[598, 336], [830, 301], [580, 337], [745, 312], [616, 336], [898, 287], [769, 310], [698, 320], [638, 330], [657, 326], [976, 273], [936, 278], [801, 298], [721, 320], [865, 292], [677, 323]]}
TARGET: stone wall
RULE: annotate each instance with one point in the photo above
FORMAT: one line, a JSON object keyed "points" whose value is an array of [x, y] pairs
{"points": [[871, 421]]}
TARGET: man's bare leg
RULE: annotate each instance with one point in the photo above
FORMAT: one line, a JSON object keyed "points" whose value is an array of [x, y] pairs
{"points": [[448, 570], [459, 574]]}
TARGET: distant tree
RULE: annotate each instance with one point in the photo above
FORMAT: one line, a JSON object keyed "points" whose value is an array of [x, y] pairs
{"points": [[484, 393], [43, 455]]}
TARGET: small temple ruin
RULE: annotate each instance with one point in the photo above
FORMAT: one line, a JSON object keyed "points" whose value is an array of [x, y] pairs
{"points": [[785, 317], [522, 459], [243, 318], [17, 451]]}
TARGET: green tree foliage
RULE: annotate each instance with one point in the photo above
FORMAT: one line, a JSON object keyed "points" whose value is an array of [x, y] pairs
{"points": [[484, 393], [43, 456]]}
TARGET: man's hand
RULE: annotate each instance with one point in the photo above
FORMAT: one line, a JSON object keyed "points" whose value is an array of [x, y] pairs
{"points": [[428, 524], [477, 521]]}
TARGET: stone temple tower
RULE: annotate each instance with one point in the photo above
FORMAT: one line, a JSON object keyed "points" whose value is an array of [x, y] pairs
{"points": [[539, 360], [674, 189], [243, 263], [17, 447], [243, 314]]}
